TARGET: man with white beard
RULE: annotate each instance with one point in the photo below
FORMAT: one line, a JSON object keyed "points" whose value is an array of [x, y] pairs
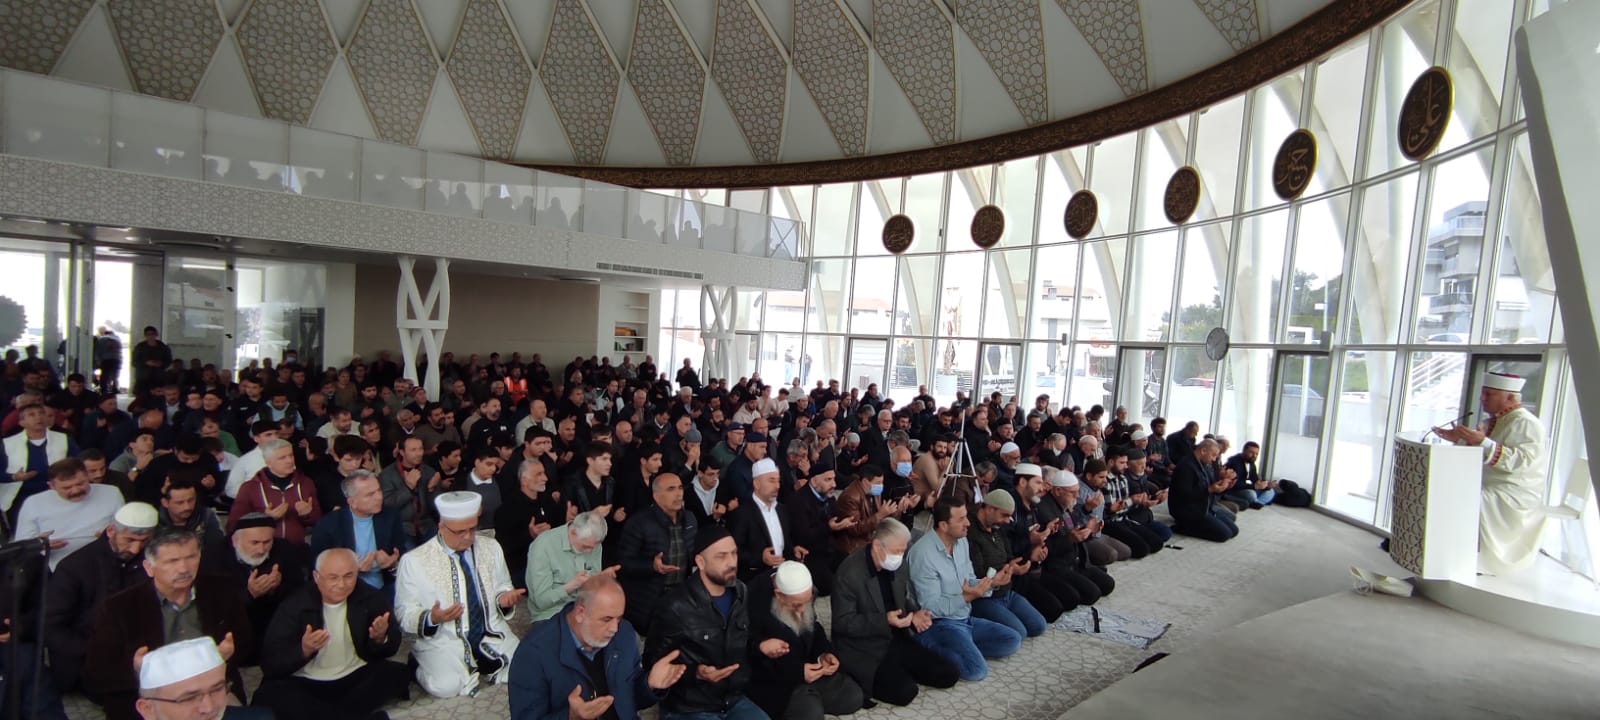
{"points": [[797, 676], [255, 562]]}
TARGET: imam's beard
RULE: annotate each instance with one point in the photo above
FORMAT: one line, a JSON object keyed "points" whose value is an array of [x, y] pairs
{"points": [[800, 623], [246, 559]]}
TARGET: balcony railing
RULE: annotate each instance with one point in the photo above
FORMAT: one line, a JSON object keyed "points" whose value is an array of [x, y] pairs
{"points": [[1450, 303], [65, 121]]}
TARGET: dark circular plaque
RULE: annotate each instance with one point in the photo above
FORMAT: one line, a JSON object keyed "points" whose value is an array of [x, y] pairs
{"points": [[1292, 169], [1183, 195], [1083, 211], [987, 226], [898, 233], [1426, 113]]}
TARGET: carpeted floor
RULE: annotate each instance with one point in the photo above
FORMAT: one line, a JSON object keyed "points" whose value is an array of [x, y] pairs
{"points": [[1282, 558]]}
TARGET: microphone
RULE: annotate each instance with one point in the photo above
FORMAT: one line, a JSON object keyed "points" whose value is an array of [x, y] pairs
{"points": [[1456, 421]]}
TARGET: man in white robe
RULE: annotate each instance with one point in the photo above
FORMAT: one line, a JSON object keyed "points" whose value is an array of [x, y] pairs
{"points": [[454, 595], [1511, 517]]}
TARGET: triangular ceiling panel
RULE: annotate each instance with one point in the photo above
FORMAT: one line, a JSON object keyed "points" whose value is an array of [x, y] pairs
{"points": [[582, 79], [1174, 48], [806, 135], [832, 58], [33, 34], [445, 126], [716, 125], [343, 16], [532, 21], [1115, 30], [92, 55], [491, 75], [226, 86], [393, 67], [751, 68], [669, 79], [700, 19], [632, 140], [986, 107], [916, 42], [288, 49], [780, 15], [232, 10], [441, 17], [616, 23], [1010, 36], [893, 122], [541, 137], [1237, 20], [340, 109], [1077, 80], [167, 46]]}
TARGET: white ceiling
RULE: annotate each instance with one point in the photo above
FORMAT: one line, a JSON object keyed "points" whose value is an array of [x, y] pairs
{"points": [[643, 82]]}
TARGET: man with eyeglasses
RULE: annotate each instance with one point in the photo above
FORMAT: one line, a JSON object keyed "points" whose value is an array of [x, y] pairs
{"points": [[187, 681], [455, 595]]}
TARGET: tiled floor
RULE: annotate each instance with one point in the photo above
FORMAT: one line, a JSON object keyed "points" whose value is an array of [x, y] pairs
{"points": [[1282, 557]]}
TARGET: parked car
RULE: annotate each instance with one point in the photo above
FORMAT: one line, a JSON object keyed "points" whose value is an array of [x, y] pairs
{"points": [[1200, 382]]}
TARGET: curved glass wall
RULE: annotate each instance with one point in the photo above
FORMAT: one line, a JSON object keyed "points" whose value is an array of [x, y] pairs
{"points": [[1362, 309]]}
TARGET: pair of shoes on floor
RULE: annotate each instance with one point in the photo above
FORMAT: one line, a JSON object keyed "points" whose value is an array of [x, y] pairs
{"points": [[1256, 506]]}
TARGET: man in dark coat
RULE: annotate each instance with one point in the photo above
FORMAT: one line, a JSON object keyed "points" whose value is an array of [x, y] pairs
{"points": [[877, 651], [82, 582], [656, 548], [812, 518], [147, 616], [265, 568], [1193, 499], [325, 655], [797, 676], [380, 540], [707, 621], [763, 544]]}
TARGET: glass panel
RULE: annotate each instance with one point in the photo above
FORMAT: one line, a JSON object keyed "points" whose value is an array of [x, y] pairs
{"points": [[780, 358], [649, 221], [880, 199], [1454, 251], [1407, 50], [794, 203], [1477, 64], [1190, 387], [747, 309], [823, 359], [1063, 175], [1018, 195], [911, 358], [1111, 179], [605, 207], [831, 233], [998, 371], [1094, 366], [1359, 438], [1166, 145], [925, 206], [742, 360], [56, 121], [280, 307], [1100, 297], [1246, 383], [1433, 390], [687, 314], [1048, 368], [1253, 312], [1300, 406], [1318, 263], [157, 137], [872, 303], [251, 152], [390, 175], [455, 186], [1142, 380], [1336, 115], [953, 369], [1155, 259], [1382, 251], [325, 165], [786, 311], [830, 280], [1006, 306], [1205, 262], [1524, 285], [748, 200], [867, 362], [1216, 156], [962, 296], [1273, 116], [969, 190], [561, 203], [1055, 293], [197, 308], [916, 295]]}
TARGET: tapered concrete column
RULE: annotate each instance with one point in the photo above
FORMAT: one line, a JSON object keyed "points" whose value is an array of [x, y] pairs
{"points": [[422, 319], [718, 318]]}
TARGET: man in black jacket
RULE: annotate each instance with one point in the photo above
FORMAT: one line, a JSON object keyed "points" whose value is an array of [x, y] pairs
{"points": [[85, 579], [266, 569], [707, 620], [1194, 490], [655, 549], [1249, 490], [812, 512], [325, 655], [797, 675], [762, 527], [705, 494]]}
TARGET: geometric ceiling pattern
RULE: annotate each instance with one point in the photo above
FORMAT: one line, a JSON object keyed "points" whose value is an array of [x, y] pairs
{"points": [[644, 83]]}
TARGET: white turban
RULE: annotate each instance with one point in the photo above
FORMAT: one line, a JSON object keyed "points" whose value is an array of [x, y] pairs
{"points": [[792, 578], [1503, 381], [764, 466], [458, 505]]}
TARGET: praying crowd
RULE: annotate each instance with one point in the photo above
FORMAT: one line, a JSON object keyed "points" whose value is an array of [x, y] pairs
{"points": [[665, 538]]}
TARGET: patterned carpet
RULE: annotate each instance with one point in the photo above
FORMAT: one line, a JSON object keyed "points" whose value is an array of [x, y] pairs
{"points": [[1282, 557]]}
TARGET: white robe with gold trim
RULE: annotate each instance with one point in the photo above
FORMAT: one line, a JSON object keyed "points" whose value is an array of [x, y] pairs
{"points": [[1511, 520], [432, 573]]}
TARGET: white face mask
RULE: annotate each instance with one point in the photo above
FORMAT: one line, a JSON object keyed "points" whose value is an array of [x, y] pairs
{"points": [[1037, 499], [892, 562]]}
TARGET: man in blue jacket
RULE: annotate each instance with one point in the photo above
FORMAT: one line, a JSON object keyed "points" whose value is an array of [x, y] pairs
{"points": [[365, 527], [585, 663]]}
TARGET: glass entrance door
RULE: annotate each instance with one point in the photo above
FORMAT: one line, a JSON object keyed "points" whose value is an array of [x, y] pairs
{"points": [[1299, 403], [865, 361], [1141, 376], [997, 370]]}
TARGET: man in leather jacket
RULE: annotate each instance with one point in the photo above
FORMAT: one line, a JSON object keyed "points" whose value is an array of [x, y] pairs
{"points": [[706, 620]]}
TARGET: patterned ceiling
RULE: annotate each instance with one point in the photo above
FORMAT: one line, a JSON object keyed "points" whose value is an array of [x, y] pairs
{"points": [[644, 82]]}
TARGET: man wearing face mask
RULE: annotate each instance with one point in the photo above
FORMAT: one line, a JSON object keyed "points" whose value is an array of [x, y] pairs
{"points": [[863, 503], [875, 621]]}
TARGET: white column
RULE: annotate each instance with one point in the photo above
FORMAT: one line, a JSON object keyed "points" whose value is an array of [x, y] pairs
{"points": [[718, 311], [1559, 66], [422, 318]]}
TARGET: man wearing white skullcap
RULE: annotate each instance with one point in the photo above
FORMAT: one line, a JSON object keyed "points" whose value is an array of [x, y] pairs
{"points": [[112, 562], [1510, 520], [455, 595], [761, 526], [796, 675], [183, 680]]}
